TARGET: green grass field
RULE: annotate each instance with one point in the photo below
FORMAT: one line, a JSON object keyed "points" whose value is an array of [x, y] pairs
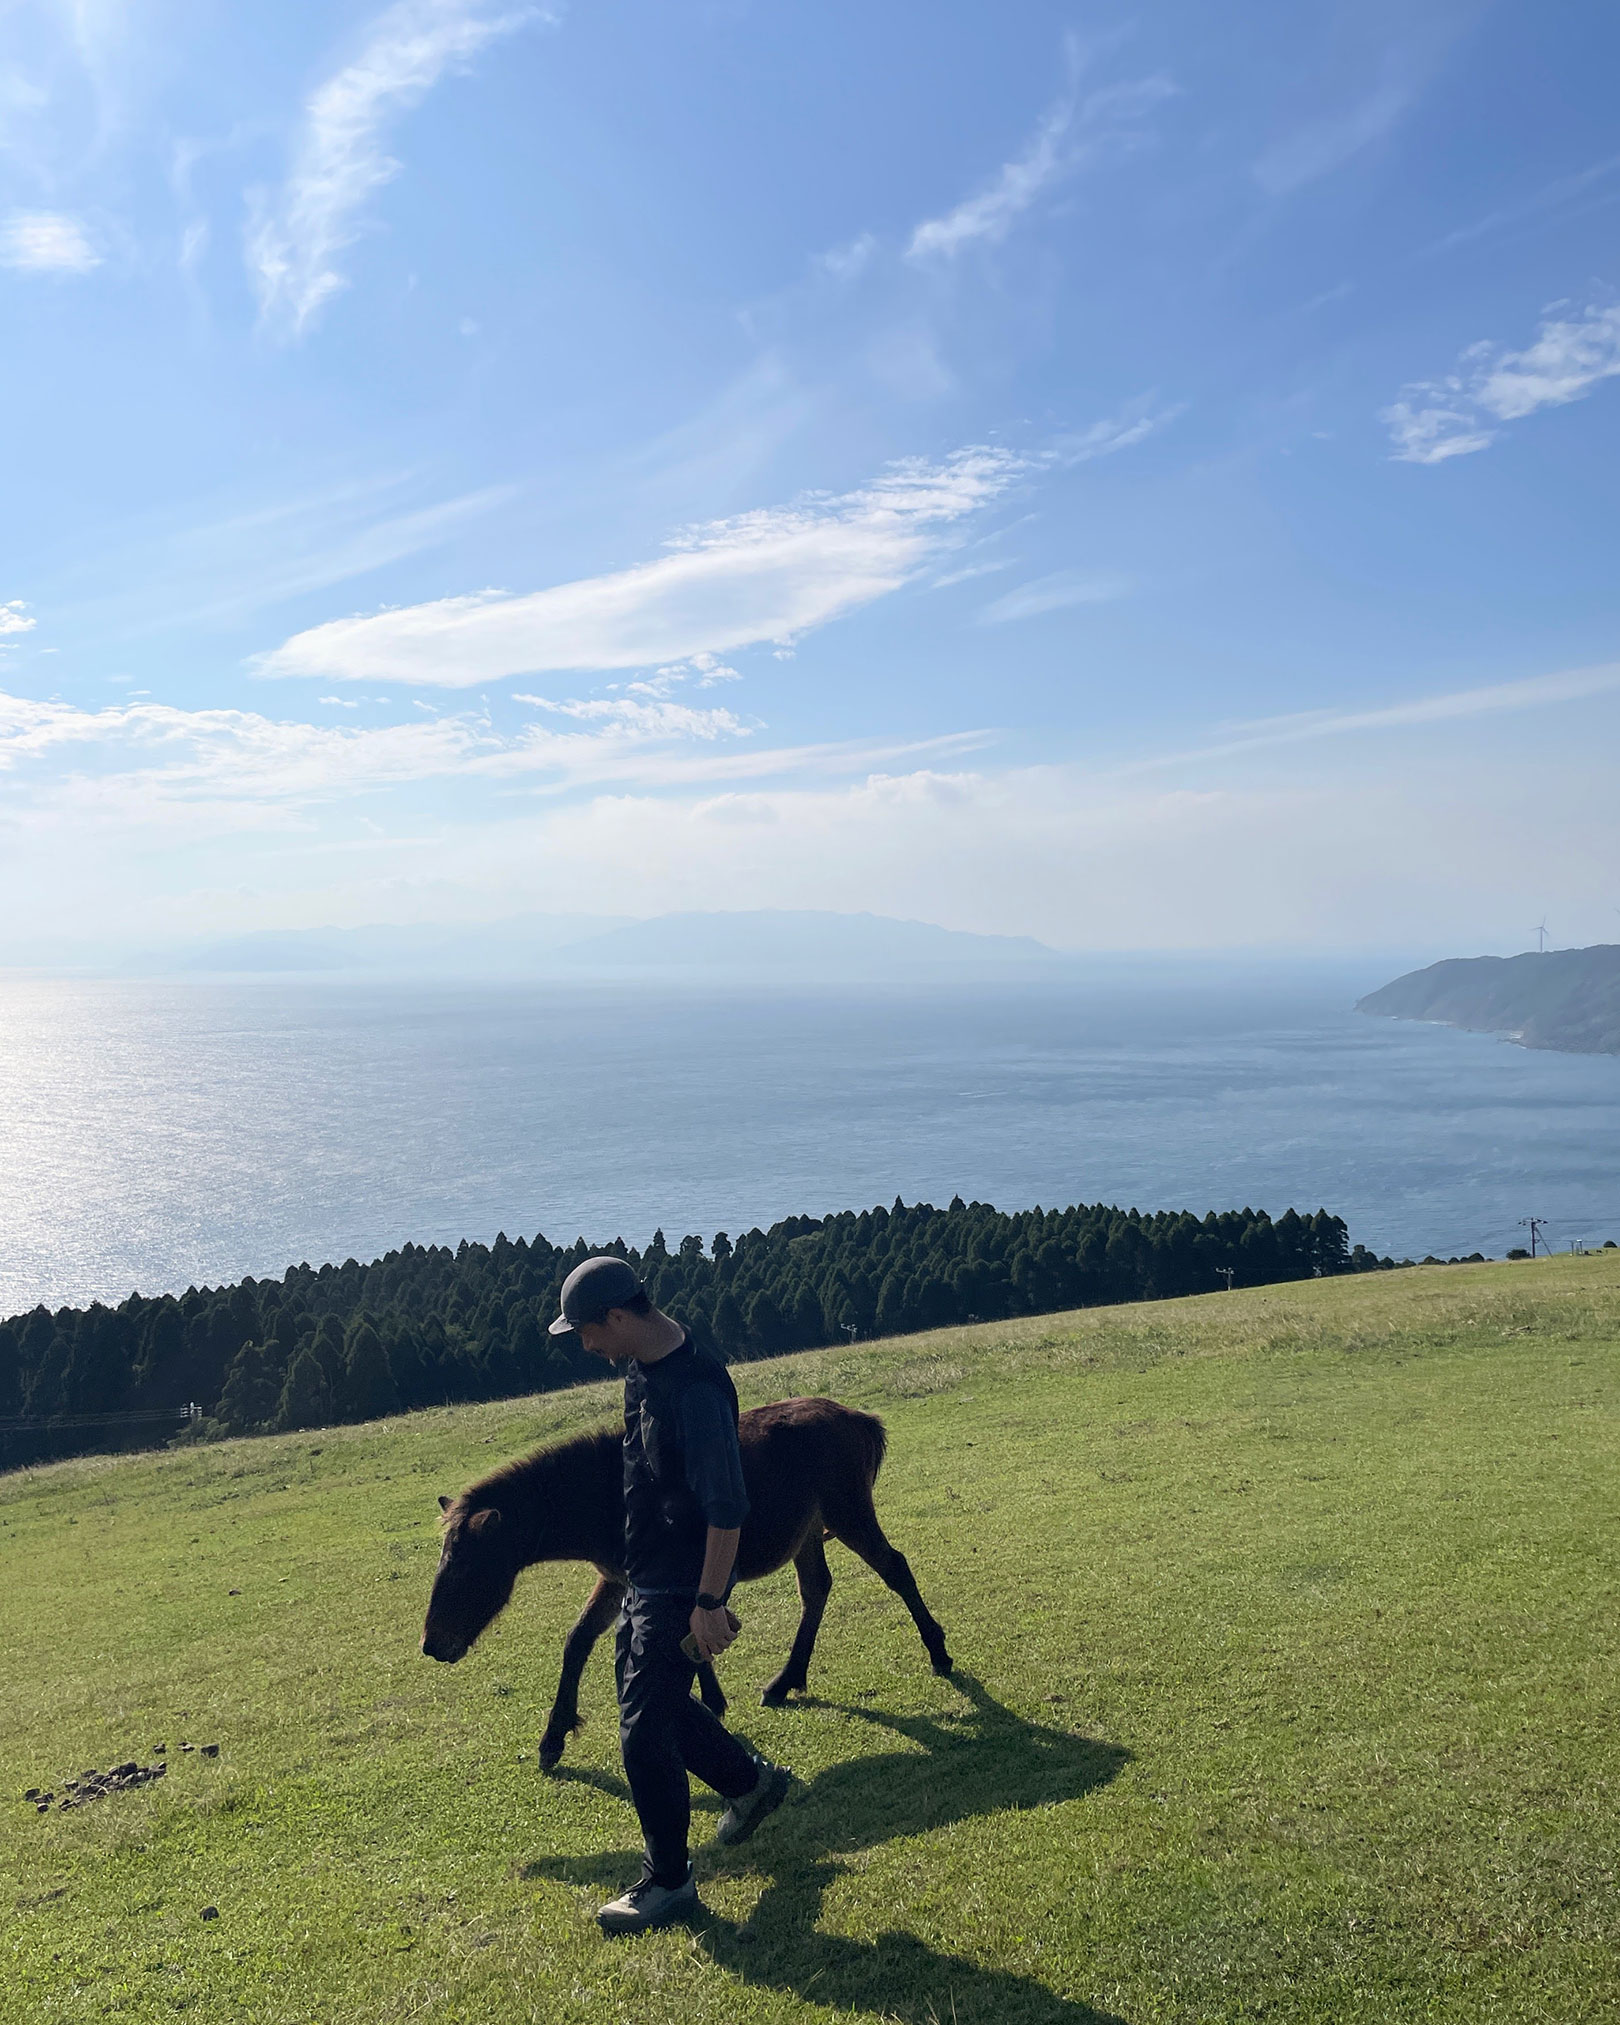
{"points": [[1287, 1625]]}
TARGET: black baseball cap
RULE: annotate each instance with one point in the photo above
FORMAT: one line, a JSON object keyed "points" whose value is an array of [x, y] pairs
{"points": [[591, 1289]]}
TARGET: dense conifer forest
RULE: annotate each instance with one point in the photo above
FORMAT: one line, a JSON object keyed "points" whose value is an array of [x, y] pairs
{"points": [[426, 1325]]}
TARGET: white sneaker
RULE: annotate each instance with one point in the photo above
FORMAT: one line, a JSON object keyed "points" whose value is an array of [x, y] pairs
{"points": [[647, 1905], [743, 1816]]}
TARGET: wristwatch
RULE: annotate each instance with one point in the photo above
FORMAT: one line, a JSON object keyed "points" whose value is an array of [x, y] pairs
{"points": [[707, 1602]]}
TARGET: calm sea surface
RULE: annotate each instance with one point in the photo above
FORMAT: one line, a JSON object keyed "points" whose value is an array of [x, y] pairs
{"points": [[155, 1134]]}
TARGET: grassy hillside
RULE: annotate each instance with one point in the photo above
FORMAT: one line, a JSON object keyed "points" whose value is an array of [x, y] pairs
{"points": [[1288, 1626]]}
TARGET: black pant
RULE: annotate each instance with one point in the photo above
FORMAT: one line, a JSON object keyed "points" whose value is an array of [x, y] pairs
{"points": [[665, 1732]]}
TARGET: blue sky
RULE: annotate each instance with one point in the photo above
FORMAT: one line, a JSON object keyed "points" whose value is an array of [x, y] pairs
{"points": [[1137, 477]]}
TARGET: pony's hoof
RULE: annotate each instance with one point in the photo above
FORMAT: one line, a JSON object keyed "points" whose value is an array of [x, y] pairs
{"points": [[945, 1666], [774, 1697], [550, 1756]]}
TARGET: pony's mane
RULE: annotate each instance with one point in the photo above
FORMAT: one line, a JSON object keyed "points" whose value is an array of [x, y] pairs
{"points": [[520, 1474]]}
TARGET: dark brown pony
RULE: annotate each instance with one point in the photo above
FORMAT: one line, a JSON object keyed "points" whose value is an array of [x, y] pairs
{"points": [[809, 1465]]}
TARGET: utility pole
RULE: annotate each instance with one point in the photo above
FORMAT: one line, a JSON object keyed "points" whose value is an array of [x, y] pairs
{"points": [[1535, 1225], [1227, 1273]]}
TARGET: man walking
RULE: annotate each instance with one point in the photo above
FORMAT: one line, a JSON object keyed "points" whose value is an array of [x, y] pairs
{"points": [[684, 1504]]}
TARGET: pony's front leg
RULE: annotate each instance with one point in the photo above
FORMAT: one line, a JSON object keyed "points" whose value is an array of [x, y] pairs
{"points": [[600, 1610]]}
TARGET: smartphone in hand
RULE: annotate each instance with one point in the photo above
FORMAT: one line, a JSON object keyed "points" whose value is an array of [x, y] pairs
{"points": [[689, 1643]]}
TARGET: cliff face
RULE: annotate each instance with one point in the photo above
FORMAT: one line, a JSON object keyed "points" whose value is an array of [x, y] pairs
{"points": [[1567, 999]]}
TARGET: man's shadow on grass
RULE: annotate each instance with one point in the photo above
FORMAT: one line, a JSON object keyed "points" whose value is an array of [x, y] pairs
{"points": [[990, 1761]]}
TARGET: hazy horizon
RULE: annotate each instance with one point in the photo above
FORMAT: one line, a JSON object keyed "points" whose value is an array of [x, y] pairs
{"points": [[764, 943]]}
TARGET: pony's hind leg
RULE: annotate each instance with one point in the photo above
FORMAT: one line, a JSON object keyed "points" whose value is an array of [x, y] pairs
{"points": [[601, 1608], [712, 1693], [857, 1526], [815, 1586]]}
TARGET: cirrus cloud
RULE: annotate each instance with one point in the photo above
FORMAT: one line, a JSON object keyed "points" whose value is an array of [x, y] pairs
{"points": [[1455, 416], [339, 160], [1072, 134], [253, 771], [46, 242], [1055, 593], [769, 575]]}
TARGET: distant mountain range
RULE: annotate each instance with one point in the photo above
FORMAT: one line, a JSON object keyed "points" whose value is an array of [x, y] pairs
{"points": [[766, 944], [803, 944], [520, 945], [1566, 999]]}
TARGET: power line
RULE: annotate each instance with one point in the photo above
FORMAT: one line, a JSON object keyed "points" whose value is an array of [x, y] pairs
{"points": [[140, 1416]]}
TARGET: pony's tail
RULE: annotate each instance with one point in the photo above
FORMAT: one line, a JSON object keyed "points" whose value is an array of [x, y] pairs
{"points": [[874, 1441]]}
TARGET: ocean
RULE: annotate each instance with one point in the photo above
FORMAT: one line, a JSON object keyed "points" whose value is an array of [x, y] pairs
{"points": [[156, 1134]]}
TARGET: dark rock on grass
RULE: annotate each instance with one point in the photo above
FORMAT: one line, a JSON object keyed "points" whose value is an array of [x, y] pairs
{"points": [[210, 1750], [97, 1785], [210, 1912]]}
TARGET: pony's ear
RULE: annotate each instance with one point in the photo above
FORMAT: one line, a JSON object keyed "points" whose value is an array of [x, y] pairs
{"points": [[485, 1521], [444, 1503]]}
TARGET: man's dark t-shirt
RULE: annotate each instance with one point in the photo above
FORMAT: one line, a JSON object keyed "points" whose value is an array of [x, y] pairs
{"points": [[682, 1467]]}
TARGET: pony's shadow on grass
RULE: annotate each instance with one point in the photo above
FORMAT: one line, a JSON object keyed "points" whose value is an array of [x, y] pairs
{"points": [[587, 1775], [983, 1763]]}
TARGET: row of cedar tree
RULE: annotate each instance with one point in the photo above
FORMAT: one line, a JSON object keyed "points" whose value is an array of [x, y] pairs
{"points": [[427, 1325]]}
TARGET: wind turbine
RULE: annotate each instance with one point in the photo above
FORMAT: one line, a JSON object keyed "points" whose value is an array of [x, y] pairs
{"points": [[1541, 937]]}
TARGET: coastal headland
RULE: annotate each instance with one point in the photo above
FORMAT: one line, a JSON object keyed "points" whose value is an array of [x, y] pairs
{"points": [[1565, 999]]}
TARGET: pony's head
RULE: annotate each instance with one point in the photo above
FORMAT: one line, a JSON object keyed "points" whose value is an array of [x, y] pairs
{"points": [[477, 1568]]}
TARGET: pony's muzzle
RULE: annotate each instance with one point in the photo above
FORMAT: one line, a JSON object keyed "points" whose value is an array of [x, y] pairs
{"points": [[440, 1645]]}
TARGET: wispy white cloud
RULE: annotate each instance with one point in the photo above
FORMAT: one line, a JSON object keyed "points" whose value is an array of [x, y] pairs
{"points": [[1326, 144], [708, 670], [1452, 417], [968, 573], [846, 262], [46, 242], [222, 561], [14, 618], [140, 759], [1553, 197], [339, 158], [1535, 692], [1056, 593], [1567, 359], [769, 575], [1136, 421], [991, 213], [1430, 434], [658, 718], [1072, 133]]}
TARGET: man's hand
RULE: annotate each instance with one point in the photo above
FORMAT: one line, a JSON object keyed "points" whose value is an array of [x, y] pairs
{"points": [[713, 1631]]}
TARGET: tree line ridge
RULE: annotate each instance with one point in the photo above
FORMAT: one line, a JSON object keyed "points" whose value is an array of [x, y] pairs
{"points": [[427, 1325]]}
